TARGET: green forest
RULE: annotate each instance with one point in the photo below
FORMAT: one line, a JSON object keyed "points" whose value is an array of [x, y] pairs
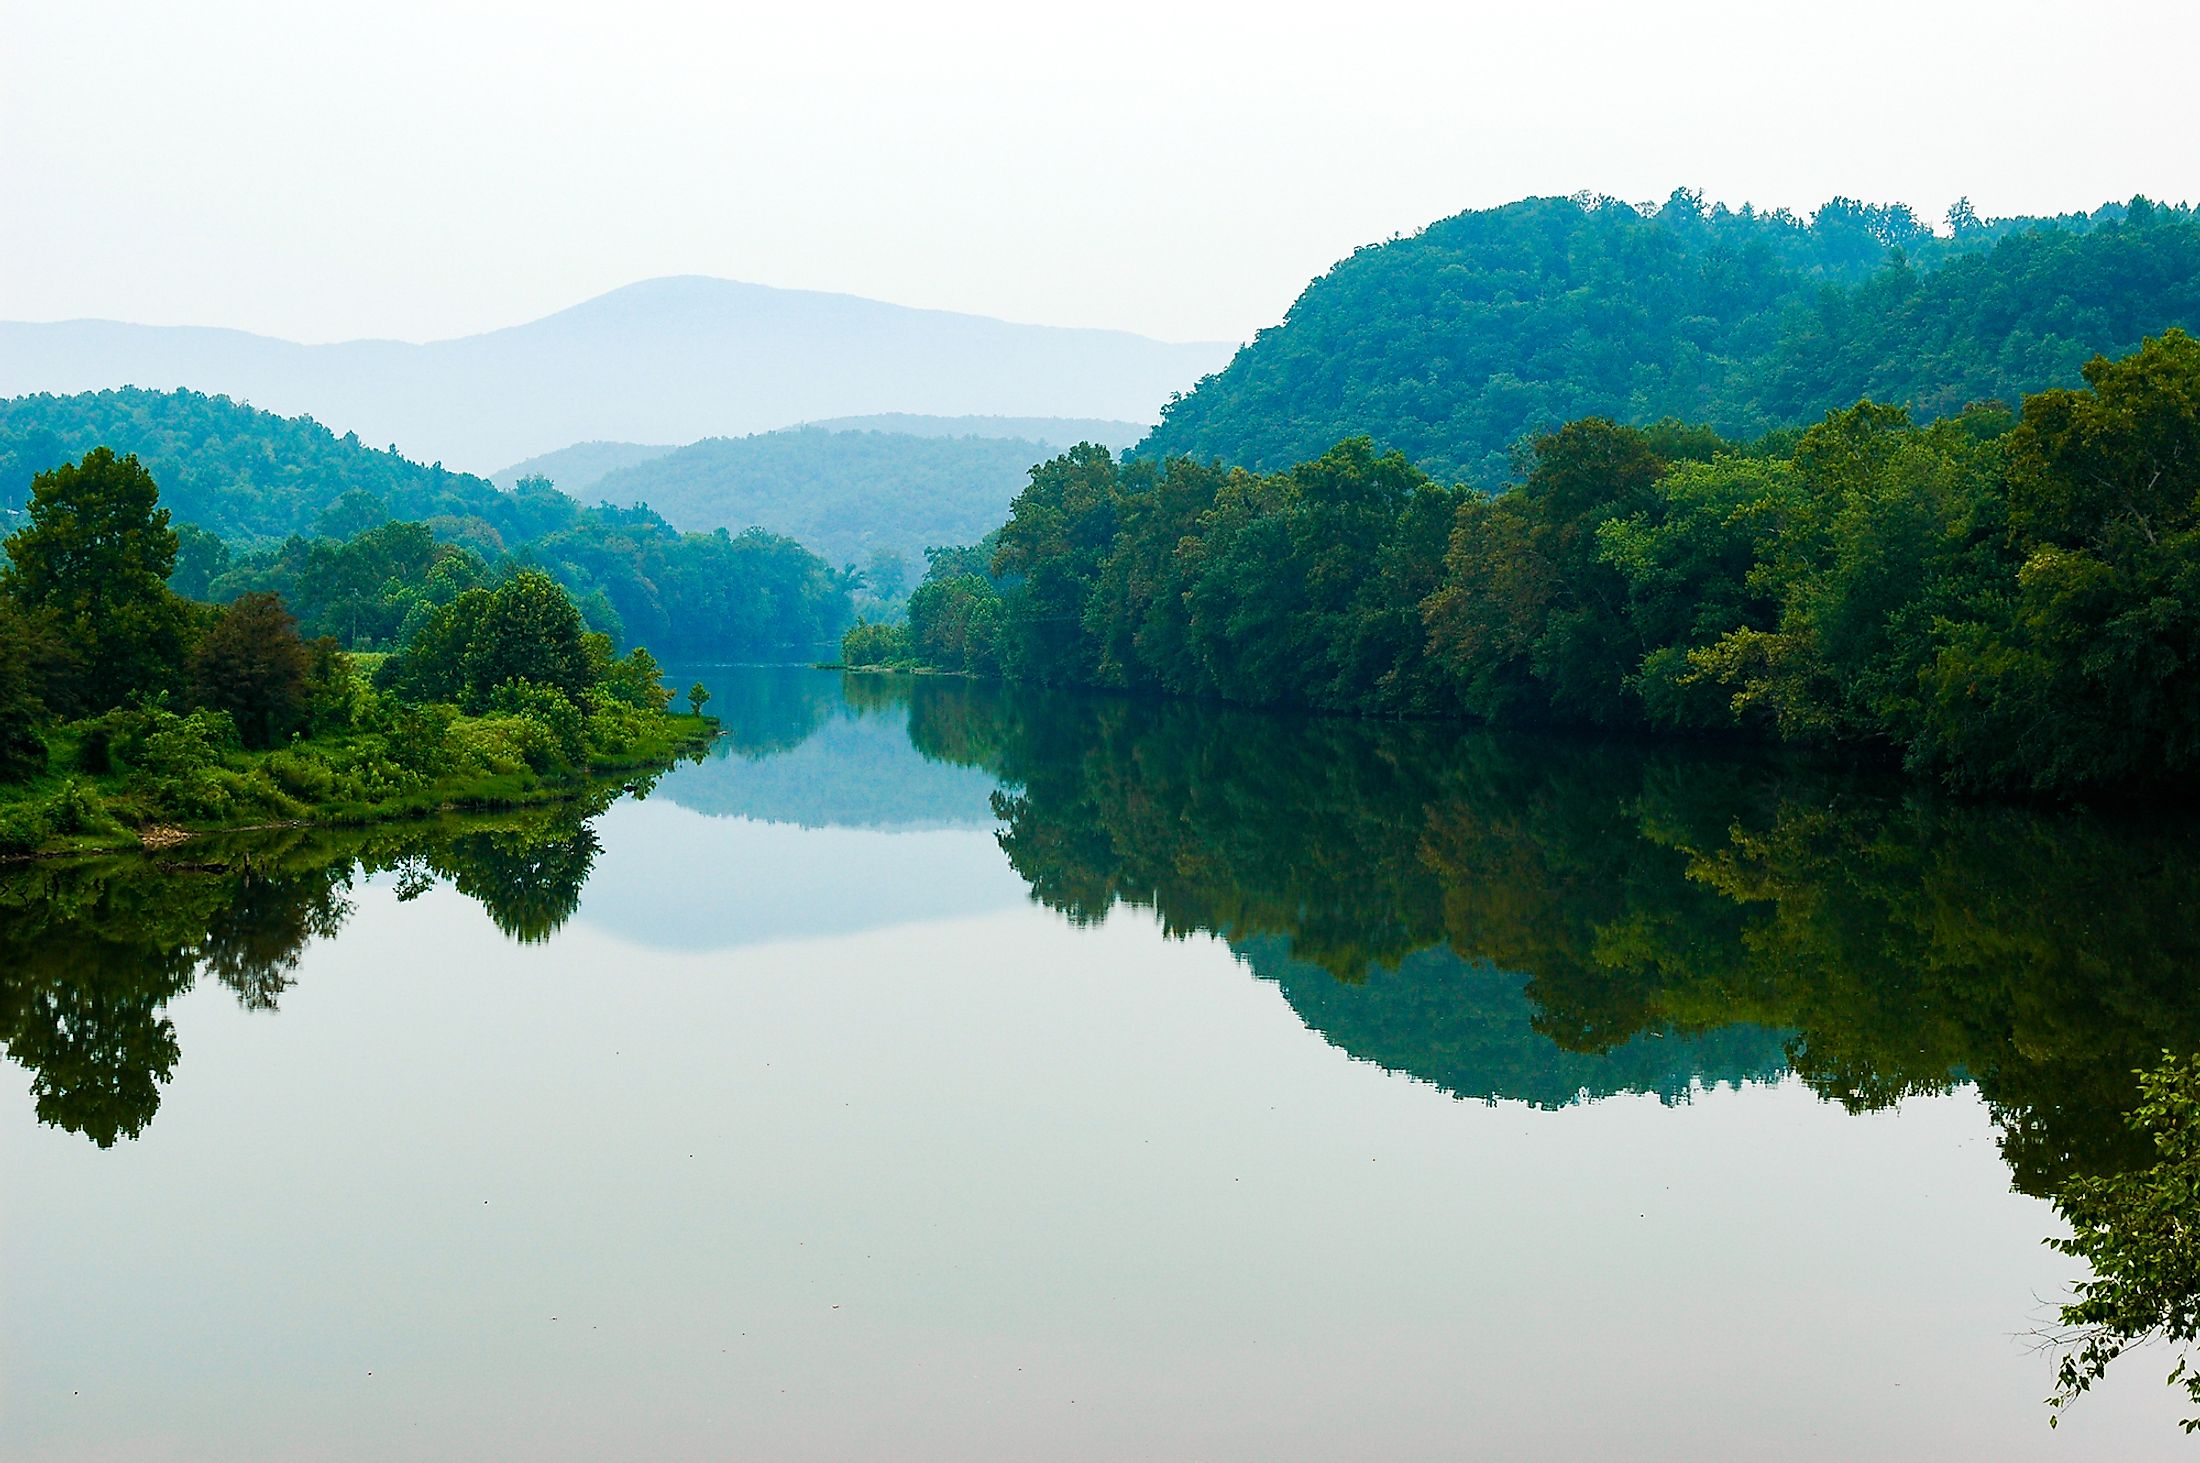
{"points": [[277, 503], [128, 710], [1461, 342], [2003, 603]]}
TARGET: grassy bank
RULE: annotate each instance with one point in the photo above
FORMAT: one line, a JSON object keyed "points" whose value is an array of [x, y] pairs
{"points": [[158, 778]]}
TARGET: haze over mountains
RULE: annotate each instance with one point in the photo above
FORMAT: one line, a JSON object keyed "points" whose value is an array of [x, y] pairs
{"points": [[665, 360], [579, 468]]}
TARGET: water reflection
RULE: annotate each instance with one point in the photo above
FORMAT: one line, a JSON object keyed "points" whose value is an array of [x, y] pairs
{"points": [[1644, 897], [1538, 921], [92, 951], [802, 748]]}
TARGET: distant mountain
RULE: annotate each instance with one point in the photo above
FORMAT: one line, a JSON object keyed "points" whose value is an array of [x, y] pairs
{"points": [[1053, 431], [578, 468], [843, 495], [1456, 343], [666, 360]]}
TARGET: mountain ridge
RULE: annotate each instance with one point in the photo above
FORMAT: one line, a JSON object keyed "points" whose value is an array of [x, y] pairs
{"points": [[678, 358]]}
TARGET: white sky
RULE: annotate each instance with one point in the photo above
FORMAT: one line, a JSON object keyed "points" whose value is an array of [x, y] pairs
{"points": [[1175, 167]]}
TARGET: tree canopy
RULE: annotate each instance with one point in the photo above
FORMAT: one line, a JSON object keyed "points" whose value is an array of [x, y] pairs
{"points": [[1460, 342], [2004, 604]]}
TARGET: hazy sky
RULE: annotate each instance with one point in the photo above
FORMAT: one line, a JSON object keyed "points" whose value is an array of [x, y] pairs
{"points": [[1178, 168]]}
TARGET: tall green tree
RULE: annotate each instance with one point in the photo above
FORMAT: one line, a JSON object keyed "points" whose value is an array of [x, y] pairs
{"points": [[2081, 667], [30, 658], [1058, 533], [1530, 618], [252, 664], [95, 558]]}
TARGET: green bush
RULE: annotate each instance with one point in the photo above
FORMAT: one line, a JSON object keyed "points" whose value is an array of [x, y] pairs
{"points": [[76, 807], [496, 744], [177, 764], [614, 728], [870, 642], [302, 775], [415, 738], [549, 708], [23, 828]]}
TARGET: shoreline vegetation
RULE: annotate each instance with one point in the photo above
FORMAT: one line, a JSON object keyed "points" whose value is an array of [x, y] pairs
{"points": [[2004, 604], [131, 716]]}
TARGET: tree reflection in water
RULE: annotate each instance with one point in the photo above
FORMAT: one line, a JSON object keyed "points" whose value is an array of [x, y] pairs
{"points": [[1614, 896], [92, 951]]}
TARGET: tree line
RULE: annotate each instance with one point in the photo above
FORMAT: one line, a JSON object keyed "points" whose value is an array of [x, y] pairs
{"points": [[2003, 603], [124, 702]]}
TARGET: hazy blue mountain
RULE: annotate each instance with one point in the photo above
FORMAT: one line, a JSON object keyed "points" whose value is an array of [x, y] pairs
{"points": [[844, 495], [666, 360], [1053, 431], [578, 468], [574, 469]]}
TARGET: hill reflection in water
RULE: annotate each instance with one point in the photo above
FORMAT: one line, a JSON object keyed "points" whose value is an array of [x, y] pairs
{"points": [[1525, 919]]}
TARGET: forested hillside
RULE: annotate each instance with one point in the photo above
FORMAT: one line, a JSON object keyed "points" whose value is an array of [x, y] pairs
{"points": [[1458, 343], [847, 495], [247, 474], [2002, 603], [345, 532], [577, 468]]}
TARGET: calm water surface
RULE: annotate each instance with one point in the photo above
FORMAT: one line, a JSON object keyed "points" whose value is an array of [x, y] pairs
{"points": [[934, 1071]]}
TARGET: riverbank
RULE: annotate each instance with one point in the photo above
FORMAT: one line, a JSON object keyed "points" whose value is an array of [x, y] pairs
{"points": [[179, 784]]}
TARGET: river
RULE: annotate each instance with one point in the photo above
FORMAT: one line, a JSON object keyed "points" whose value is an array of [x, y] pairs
{"points": [[943, 1071]]}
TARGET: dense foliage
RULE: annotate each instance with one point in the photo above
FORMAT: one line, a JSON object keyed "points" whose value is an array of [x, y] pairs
{"points": [[121, 702], [2139, 1234], [847, 495], [1485, 329], [2003, 605], [249, 475], [353, 539]]}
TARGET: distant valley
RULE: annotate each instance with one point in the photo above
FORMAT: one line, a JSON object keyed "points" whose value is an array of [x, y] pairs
{"points": [[849, 488], [666, 360]]}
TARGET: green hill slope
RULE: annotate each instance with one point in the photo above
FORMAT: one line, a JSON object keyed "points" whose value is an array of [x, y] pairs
{"points": [[249, 475], [288, 505], [1456, 343], [577, 468], [845, 495]]}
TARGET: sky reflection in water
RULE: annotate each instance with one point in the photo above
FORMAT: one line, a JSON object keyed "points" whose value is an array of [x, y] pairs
{"points": [[849, 1095]]}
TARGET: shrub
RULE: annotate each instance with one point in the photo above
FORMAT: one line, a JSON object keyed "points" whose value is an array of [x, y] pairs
{"points": [[75, 807], [549, 708], [22, 828], [416, 737], [870, 642], [614, 728], [177, 764], [302, 775]]}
